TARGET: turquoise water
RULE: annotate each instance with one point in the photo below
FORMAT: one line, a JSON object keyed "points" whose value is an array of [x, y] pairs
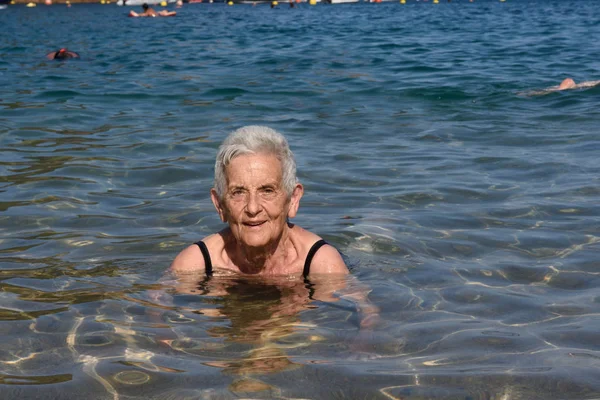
{"points": [[468, 207]]}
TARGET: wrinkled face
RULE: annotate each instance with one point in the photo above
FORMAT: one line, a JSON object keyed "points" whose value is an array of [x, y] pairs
{"points": [[255, 205]]}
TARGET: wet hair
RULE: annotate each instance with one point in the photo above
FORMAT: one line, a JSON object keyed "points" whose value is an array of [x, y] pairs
{"points": [[145, 6], [255, 140]]}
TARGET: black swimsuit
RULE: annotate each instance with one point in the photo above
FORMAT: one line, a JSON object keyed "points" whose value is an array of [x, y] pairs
{"points": [[311, 253]]}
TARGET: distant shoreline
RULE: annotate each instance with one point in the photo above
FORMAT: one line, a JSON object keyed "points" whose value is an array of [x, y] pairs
{"points": [[61, 2], [41, 3]]}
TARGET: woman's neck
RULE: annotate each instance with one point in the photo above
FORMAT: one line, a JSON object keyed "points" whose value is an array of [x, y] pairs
{"points": [[267, 260]]}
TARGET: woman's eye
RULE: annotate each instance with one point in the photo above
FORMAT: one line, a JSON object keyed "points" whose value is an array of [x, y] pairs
{"points": [[268, 192]]}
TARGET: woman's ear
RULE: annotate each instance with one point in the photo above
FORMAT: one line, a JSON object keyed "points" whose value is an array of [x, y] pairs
{"points": [[295, 200], [217, 203]]}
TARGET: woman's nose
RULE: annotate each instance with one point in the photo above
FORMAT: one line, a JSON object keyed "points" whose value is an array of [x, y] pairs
{"points": [[253, 205]]}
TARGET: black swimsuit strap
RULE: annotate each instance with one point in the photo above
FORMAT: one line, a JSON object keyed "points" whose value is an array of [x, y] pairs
{"points": [[311, 254], [206, 255]]}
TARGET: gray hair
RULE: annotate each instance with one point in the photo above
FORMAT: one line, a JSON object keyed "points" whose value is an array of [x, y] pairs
{"points": [[254, 140]]}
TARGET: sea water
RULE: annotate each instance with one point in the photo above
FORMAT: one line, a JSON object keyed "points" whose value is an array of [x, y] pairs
{"points": [[466, 207]]}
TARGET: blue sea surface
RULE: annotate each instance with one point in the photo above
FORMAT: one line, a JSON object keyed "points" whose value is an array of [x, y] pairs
{"points": [[464, 197]]}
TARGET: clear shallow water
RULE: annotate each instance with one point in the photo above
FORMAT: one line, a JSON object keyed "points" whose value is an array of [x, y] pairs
{"points": [[469, 208]]}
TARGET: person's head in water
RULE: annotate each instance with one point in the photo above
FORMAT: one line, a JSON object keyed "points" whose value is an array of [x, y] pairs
{"points": [[62, 54], [145, 6], [568, 83]]}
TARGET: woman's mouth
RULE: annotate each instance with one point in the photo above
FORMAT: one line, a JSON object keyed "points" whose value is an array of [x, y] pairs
{"points": [[254, 224]]}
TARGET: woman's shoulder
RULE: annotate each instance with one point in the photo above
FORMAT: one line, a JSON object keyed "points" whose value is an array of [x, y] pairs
{"points": [[303, 239], [327, 258], [187, 260], [191, 259], [302, 235]]}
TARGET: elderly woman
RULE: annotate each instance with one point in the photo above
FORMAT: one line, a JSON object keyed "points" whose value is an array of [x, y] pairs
{"points": [[256, 192]]}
